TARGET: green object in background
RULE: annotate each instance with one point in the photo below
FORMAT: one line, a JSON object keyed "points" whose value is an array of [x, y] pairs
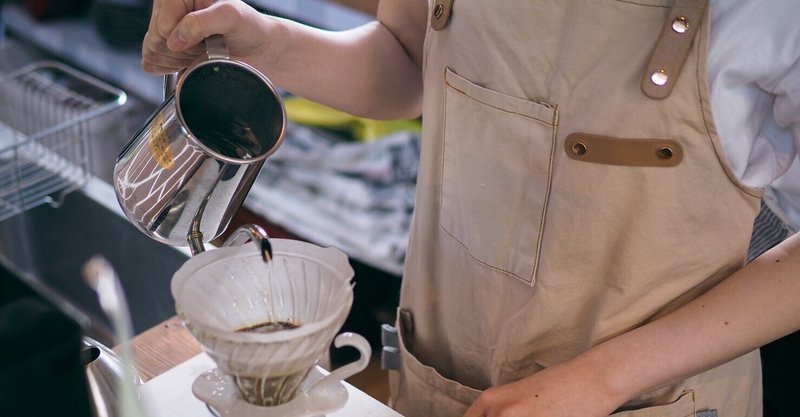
{"points": [[306, 112]]}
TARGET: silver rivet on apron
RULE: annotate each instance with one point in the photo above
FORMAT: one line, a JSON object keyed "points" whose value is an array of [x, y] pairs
{"points": [[680, 24], [659, 77], [664, 152], [438, 10], [579, 148]]}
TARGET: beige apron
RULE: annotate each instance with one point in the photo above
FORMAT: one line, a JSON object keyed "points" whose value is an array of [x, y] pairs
{"points": [[558, 205]]}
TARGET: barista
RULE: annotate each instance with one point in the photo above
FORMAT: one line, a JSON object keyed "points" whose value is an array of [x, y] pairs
{"points": [[582, 216]]}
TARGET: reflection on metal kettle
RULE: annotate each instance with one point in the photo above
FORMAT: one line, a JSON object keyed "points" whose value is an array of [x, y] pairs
{"points": [[186, 173], [105, 372], [111, 378]]}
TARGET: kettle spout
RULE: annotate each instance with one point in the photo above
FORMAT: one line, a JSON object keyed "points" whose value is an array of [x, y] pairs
{"points": [[255, 233]]}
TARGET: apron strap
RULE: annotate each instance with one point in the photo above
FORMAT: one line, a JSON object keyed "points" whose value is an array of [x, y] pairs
{"points": [[669, 54], [623, 151], [672, 47], [440, 14]]}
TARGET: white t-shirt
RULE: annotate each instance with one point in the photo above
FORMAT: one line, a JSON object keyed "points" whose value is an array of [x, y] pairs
{"points": [[754, 77], [783, 197]]}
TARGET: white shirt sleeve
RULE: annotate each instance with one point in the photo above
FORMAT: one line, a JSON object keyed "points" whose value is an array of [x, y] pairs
{"points": [[787, 93], [783, 195], [754, 78]]}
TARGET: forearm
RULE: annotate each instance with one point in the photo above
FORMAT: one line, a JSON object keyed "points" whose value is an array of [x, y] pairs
{"points": [[364, 71], [372, 71], [754, 306]]}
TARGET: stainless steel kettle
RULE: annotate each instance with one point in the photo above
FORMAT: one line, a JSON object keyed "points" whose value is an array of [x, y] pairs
{"points": [[105, 371], [186, 173]]}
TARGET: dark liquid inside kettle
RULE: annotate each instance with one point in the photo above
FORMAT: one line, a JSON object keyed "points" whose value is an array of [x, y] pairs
{"points": [[231, 110], [228, 144]]}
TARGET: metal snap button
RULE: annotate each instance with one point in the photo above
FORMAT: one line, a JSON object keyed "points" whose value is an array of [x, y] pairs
{"points": [[579, 148], [664, 152], [438, 10], [659, 77], [680, 24]]}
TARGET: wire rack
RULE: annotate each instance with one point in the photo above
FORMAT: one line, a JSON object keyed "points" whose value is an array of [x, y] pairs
{"points": [[46, 115]]}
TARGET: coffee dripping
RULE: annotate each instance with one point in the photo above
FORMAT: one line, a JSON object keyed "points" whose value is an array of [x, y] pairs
{"points": [[269, 390]]}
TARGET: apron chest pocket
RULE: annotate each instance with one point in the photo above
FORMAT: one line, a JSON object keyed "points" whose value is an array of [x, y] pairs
{"points": [[498, 155]]}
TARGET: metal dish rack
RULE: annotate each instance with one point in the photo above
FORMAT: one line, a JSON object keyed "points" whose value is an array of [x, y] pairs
{"points": [[46, 126]]}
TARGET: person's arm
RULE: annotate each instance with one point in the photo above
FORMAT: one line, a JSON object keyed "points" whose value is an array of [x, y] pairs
{"points": [[371, 71], [753, 307], [756, 305]]}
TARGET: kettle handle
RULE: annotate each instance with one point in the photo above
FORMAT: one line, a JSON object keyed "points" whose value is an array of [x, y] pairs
{"points": [[215, 49], [170, 81]]}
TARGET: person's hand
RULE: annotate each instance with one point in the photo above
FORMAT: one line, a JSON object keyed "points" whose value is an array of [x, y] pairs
{"points": [[177, 28], [566, 390]]}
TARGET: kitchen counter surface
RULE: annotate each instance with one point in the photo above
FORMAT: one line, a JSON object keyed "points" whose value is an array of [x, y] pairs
{"points": [[163, 347], [167, 357]]}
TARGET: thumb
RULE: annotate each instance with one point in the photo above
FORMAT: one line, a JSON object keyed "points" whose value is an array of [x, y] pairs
{"points": [[218, 19]]}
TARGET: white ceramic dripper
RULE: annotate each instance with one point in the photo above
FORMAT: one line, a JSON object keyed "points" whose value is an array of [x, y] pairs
{"points": [[222, 290]]}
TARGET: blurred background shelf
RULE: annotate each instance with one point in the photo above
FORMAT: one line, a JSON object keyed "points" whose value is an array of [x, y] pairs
{"points": [[78, 41]]}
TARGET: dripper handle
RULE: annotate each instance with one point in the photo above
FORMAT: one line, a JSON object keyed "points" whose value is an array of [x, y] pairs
{"points": [[346, 371], [215, 49]]}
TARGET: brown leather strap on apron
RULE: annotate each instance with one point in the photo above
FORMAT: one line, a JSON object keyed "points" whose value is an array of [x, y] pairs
{"points": [[440, 14], [623, 151], [668, 56], [673, 45]]}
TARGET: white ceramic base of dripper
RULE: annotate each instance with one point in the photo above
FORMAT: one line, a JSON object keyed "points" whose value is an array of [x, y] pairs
{"points": [[219, 392]]}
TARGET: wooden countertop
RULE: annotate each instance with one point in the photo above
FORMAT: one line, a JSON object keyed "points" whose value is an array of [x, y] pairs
{"points": [[162, 347]]}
